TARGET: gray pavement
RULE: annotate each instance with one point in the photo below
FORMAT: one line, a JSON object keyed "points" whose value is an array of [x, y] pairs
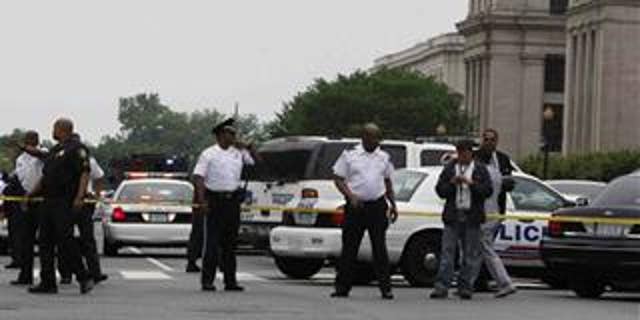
{"points": [[151, 284]]}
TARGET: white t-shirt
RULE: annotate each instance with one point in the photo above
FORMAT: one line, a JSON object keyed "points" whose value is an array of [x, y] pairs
{"points": [[491, 204], [222, 169], [29, 171], [364, 172]]}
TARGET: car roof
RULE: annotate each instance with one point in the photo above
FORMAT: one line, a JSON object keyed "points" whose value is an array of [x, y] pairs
{"points": [[576, 182], [321, 139], [431, 170]]}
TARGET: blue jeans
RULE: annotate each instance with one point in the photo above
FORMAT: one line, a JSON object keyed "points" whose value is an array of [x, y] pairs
{"points": [[467, 235]]}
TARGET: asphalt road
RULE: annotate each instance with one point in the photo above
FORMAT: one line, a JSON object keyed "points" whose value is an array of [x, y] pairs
{"points": [[151, 284]]}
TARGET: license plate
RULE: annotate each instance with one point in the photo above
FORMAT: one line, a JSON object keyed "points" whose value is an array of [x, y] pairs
{"points": [[305, 218], [611, 230], [281, 198], [158, 218], [247, 216]]}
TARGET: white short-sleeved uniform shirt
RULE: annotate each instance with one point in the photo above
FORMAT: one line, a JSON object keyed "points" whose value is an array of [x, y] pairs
{"points": [[29, 171], [222, 169], [364, 172], [95, 173]]}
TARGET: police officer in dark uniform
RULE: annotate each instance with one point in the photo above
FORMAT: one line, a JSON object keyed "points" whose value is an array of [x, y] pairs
{"points": [[64, 185], [218, 193]]}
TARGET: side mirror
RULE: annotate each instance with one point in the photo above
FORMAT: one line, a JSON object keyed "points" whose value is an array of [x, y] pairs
{"points": [[582, 202]]}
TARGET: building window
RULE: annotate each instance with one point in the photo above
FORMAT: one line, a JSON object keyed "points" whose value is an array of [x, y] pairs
{"points": [[554, 73], [558, 7]]}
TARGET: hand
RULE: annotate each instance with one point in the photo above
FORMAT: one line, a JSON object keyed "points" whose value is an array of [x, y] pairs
{"points": [[456, 180], [78, 203], [354, 201], [241, 145], [202, 207], [392, 214], [466, 180]]}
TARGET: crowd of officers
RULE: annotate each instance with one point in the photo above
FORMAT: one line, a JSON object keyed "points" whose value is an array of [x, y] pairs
{"points": [[473, 184]]}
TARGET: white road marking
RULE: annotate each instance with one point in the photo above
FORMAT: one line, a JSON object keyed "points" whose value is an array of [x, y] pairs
{"points": [[152, 260], [145, 275]]}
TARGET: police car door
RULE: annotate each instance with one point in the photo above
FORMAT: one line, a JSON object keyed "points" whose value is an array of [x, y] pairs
{"points": [[518, 240]]}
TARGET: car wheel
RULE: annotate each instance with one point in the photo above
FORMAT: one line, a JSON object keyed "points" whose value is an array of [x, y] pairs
{"points": [[555, 280], [421, 260], [587, 287], [299, 268], [109, 249]]}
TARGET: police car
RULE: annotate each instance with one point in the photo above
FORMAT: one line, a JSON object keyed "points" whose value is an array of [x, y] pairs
{"points": [[308, 240], [298, 168], [148, 209]]}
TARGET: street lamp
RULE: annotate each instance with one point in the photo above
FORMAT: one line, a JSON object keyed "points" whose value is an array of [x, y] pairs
{"points": [[547, 115]]}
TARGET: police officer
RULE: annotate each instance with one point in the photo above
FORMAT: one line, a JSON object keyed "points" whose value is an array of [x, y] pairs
{"points": [[64, 186], [363, 175], [28, 173], [84, 222], [217, 178]]}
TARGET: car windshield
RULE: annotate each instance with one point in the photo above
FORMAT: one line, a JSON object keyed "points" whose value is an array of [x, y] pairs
{"points": [[405, 183], [586, 190], [622, 192], [155, 192]]}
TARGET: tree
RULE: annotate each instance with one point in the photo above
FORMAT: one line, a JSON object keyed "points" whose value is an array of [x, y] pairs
{"points": [[405, 104], [149, 126]]}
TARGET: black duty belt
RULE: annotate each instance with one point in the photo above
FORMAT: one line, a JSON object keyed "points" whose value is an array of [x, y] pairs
{"points": [[228, 195]]}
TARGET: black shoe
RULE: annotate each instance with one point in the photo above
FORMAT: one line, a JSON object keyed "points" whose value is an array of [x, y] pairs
{"points": [[234, 287], [42, 289], [100, 278], [12, 265], [208, 287], [86, 286], [465, 295], [192, 267], [338, 294], [387, 295], [439, 294], [21, 282], [65, 280]]}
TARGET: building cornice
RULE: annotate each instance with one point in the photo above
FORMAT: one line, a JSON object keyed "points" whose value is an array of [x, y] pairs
{"points": [[479, 23], [447, 43]]}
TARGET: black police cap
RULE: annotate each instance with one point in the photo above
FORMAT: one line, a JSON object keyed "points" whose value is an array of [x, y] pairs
{"points": [[225, 125]]}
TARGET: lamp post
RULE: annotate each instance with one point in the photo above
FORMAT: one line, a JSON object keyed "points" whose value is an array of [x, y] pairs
{"points": [[441, 130], [547, 115]]}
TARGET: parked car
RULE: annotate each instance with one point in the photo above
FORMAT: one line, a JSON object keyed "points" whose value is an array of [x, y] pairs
{"points": [[148, 212], [594, 255], [306, 241], [577, 190], [295, 168]]}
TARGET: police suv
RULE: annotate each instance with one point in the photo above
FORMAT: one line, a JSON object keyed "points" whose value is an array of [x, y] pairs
{"points": [[297, 168]]}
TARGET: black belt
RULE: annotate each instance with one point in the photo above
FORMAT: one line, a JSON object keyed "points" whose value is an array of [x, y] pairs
{"points": [[222, 194]]}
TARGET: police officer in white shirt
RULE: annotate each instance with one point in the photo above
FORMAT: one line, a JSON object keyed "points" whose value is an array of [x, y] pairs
{"points": [[363, 176], [28, 172], [218, 182]]}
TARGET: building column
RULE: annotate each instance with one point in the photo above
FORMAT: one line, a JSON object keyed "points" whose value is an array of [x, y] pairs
{"points": [[486, 85], [568, 143], [588, 93], [532, 103], [579, 98]]}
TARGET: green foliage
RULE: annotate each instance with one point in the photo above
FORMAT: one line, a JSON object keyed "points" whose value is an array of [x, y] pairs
{"points": [[149, 126], [594, 166], [8, 151], [404, 103]]}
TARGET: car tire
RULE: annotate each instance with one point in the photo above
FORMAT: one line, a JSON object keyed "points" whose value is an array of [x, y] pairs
{"points": [[555, 279], [109, 249], [421, 259], [298, 268], [587, 287]]}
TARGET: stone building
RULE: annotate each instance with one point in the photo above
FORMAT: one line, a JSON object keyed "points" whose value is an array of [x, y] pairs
{"points": [[516, 55]]}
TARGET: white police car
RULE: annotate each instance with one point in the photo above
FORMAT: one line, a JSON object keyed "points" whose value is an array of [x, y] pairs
{"points": [[303, 245], [148, 209]]}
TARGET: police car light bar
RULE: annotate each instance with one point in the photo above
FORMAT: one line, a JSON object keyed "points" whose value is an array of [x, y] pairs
{"points": [[146, 175]]}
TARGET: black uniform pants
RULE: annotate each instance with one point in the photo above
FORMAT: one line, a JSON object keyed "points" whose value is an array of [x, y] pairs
{"points": [[196, 237], [221, 232], [14, 228], [371, 217], [86, 242], [27, 239], [56, 231]]}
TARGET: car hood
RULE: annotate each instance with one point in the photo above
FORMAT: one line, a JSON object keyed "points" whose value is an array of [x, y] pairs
{"points": [[600, 212]]}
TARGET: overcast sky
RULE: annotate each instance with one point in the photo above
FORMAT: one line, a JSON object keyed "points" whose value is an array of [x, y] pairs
{"points": [[77, 57]]}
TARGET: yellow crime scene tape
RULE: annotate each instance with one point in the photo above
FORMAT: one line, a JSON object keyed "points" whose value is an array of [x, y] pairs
{"points": [[521, 217]]}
